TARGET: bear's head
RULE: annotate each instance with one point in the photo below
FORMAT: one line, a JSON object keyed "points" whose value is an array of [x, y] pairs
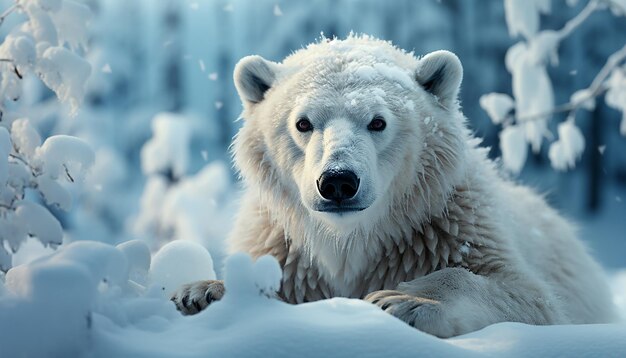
{"points": [[346, 132]]}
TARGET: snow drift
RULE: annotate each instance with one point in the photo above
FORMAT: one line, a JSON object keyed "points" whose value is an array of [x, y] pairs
{"points": [[96, 300]]}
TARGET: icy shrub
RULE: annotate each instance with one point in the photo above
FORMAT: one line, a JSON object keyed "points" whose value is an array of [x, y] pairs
{"points": [[27, 161]]}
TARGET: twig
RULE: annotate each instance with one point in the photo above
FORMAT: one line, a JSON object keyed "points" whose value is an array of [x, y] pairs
{"points": [[8, 12], [33, 172], [19, 158], [67, 172], [577, 20]]}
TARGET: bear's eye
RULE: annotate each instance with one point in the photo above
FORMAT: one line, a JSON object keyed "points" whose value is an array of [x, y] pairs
{"points": [[377, 124], [304, 125]]}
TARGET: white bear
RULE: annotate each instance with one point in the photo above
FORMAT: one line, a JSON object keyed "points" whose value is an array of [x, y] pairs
{"points": [[363, 180]]}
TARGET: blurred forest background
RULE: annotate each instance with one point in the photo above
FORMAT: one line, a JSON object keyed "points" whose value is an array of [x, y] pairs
{"points": [[177, 56]]}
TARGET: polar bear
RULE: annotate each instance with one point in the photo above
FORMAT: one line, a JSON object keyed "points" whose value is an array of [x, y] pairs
{"points": [[362, 179]]}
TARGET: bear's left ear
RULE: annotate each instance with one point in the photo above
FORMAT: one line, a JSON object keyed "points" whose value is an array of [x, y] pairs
{"points": [[253, 76], [440, 73]]}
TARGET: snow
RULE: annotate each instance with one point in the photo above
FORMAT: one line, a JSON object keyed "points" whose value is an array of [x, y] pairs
{"points": [[397, 74], [25, 137], [543, 47], [532, 89], [138, 255], [568, 148], [180, 262], [522, 16], [20, 48], [66, 74], [187, 205], [61, 152], [585, 98], [513, 147], [50, 5], [277, 10], [168, 148], [41, 28], [54, 193], [71, 22], [77, 302], [618, 284], [618, 7], [38, 222], [497, 106], [5, 149]]}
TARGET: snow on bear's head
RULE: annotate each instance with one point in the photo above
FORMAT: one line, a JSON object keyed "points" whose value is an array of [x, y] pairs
{"points": [[346, 132]]}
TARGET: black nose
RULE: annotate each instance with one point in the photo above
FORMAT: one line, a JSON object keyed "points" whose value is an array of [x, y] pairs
{"points": [[338, 185]]}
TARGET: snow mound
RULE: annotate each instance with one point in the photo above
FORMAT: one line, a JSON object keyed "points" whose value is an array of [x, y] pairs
{"points": [[76, 303], [180, 262]]}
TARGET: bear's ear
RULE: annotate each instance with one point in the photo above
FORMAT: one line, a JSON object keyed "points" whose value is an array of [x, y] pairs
{"points": [[440, 73], [253, 76]]}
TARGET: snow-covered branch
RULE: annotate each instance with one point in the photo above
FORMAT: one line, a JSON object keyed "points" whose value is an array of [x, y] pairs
{"points": [[597, 87], [525, 115]]}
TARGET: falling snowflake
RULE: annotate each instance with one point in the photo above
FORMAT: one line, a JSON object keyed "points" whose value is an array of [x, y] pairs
{"points": [[277, 10]]}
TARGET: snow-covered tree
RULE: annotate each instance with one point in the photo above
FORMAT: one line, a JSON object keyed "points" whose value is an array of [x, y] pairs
{"points": [[47, 44], [524, 116]]}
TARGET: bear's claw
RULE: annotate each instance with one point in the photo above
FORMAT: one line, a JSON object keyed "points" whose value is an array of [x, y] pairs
{"points": [[404, 306], [194, 297]]}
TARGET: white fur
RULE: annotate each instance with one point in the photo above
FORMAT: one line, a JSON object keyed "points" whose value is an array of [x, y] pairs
{"points": [[445, 244]]}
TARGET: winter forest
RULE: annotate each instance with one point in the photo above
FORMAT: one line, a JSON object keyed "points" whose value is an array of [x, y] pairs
{"points": [[117, 184]]}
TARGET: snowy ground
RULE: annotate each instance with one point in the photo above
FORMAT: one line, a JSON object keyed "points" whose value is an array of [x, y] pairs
{"points": [[88, 299]]}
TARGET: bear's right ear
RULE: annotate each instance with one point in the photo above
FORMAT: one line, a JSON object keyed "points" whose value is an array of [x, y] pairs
{"points": [[253, 76]]}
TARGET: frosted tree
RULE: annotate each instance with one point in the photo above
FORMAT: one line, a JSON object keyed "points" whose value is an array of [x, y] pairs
{"points": [[47, 44], [524, 116]]}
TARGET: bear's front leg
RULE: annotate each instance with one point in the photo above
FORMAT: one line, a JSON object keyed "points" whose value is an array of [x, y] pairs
{"points": [[454, 301]]}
